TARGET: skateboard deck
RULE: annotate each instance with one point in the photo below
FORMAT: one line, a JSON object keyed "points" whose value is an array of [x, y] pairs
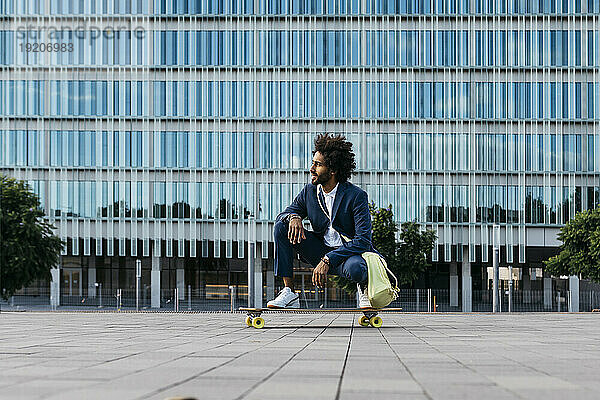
{"points": [[369, 317]]}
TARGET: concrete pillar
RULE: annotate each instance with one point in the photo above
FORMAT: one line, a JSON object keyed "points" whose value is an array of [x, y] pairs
{"points": [[255, 285], [251, 255], [453, 285], [547, 293], [180, 280], [574, 293], [155, 283], [92, 277], [55, 287], [467, 287], [258, 273]]}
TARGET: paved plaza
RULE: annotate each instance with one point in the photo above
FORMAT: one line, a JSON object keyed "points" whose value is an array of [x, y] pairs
{"points": [[64, 355]]}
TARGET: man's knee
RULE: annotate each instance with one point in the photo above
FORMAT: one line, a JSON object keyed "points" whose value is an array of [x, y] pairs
{"points": [[280, 231], [355, 268]]}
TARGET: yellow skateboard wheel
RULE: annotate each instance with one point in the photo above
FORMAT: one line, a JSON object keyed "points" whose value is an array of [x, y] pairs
{"points": [[258, 322], [249, 320], [376, 321], [363, 321]]}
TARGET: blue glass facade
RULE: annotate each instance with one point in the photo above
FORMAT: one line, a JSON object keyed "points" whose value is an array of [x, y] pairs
{"points": [[181, 128], [304, 100], [303, 7], [422, 48]]}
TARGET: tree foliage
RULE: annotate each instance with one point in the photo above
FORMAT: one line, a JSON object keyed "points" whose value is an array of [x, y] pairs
{"points": [[406, 258], [580, 252], [28, 246], [411, 258]]}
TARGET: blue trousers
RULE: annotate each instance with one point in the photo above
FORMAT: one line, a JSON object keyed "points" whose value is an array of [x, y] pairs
{"points": [[312, 249]]}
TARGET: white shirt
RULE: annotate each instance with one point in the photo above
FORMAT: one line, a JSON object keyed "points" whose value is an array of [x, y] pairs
{"points": [[332, 237]]}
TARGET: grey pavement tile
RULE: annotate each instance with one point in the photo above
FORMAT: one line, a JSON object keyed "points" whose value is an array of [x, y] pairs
{"points": [[16, 362], [389, 373], [558, 394], [381, 385], [456, 377], [152, 381], [366, 355], [366, 395], [300, 395], [196, 362], [534, 382], [99, 392], [310, 354], [42, 388], [467, 392], [100, 373], [255, 372], [206, 388], [37, 371], [92, 354], [292, 370], [12, 380], [505, 370], [436, 368], [295, 387]]}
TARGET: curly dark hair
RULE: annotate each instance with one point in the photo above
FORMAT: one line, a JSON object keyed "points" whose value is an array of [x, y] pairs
{"points": [[338, 154]]}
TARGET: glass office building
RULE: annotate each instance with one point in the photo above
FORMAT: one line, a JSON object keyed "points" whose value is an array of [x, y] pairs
{"points": [[174, 131]]}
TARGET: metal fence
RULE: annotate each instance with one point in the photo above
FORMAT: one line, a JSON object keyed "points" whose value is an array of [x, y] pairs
{"points": [[223, 298], [589, 300]]}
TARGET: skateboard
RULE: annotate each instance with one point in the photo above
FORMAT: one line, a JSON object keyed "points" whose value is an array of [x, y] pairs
{"points": [[369, 317]]}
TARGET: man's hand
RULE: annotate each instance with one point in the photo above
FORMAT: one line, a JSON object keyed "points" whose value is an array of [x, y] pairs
{"points": [[319, 276], [296, 231]]}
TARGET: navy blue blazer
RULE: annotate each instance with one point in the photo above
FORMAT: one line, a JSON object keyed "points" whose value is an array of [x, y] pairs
{"points": [[351, 218]]}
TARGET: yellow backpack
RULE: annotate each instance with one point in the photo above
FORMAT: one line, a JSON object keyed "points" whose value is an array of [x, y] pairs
{"points": [[380, 290]]}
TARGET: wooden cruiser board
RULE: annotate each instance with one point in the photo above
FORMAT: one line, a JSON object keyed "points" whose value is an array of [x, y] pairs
{"points": [[369, 317]]}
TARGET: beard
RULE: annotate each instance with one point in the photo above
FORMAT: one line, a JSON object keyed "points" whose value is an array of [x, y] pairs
{"points": [[320, 179]]}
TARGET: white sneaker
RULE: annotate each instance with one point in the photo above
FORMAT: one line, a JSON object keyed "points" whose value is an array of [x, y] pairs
{"points": [[285, 299], [363, 298]]}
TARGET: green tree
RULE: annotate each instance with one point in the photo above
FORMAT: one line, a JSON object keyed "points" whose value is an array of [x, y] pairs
{"points": [[406, 258], [580, 252], [28, 246], [411, 258]]}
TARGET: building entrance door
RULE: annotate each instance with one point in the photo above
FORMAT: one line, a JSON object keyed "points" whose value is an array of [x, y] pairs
{"points": [[71, 282]]}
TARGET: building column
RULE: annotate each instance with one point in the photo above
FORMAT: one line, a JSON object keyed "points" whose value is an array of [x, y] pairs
{"points": [[548, 293], [91, 292], [255, 286], [573, 293], [258, 274], [180, 280], [155, 283], [453, 285], [467, 296], [55, 287]]}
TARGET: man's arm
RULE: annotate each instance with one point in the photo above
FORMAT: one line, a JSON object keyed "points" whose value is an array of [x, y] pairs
{"points": [[297, 207], [362, 238]]}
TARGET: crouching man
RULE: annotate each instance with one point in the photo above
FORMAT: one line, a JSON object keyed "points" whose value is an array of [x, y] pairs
{"points": [[339, 214]]}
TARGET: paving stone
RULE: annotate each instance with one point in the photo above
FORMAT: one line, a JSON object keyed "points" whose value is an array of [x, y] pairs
{"points": [[390, 384]]}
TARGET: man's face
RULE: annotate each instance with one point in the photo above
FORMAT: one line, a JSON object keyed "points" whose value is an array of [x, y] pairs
{"points": [[320, 174]]}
